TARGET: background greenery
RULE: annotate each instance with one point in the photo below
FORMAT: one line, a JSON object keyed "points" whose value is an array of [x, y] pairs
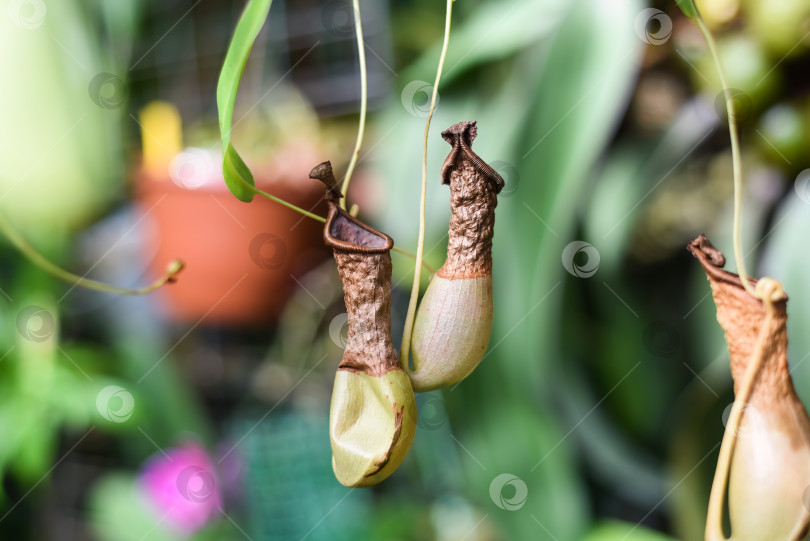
{"points": [[604, 395]]}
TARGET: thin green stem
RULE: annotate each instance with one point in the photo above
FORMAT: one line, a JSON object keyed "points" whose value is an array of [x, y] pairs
{"points": [[40, 261], [417, 274], [736, 160], [280, 201], [425, 266], [361, 51], [323, 221]]}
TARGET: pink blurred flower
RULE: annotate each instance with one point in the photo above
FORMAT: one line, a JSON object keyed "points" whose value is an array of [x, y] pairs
{"points": [[182, 485]]}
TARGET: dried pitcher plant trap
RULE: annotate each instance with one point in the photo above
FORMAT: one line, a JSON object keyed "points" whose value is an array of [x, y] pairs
{"points": [[764, 461], [454, 319], [372, 418], [769, 443]]}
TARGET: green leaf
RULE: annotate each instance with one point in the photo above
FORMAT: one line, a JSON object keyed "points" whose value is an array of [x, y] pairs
{"points": [[237, 175], [688, 7]]}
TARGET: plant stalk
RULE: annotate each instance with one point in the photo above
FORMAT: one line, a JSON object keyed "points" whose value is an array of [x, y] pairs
{"points": [[322, 220], [40, 261], [736, 159], [361, 52], [408, 329]]}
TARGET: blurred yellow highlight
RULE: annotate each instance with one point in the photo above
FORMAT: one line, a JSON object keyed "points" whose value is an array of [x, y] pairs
{"points": [[717, 13], [161, 137]]}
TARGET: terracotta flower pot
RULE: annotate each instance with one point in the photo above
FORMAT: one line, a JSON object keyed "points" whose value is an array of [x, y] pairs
{"points": [[240, 258]]}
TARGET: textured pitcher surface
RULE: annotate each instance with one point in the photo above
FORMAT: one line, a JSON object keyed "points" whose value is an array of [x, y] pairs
{"points": [[372, 418], [454, 320], [770, 467]]}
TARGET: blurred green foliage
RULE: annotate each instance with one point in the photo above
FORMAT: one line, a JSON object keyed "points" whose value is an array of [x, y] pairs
{"points": [[602, 396]]}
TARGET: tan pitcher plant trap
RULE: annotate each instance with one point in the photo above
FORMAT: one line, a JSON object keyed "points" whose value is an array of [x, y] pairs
{"points": [[372, 418], [454, 319], [769, 445]]}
